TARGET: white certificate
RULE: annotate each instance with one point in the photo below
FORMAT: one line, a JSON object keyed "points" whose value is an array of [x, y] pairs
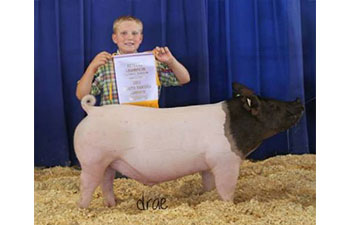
{"points": [[136, 77]]}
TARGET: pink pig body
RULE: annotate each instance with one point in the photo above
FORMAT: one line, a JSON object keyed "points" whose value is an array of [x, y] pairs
{"points": [[155, 145]]}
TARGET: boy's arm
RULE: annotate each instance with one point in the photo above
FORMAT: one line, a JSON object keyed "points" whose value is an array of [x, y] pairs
{"points": [[84, 84], [164, 55]]}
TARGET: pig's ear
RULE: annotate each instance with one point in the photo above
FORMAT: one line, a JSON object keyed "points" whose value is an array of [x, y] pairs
{"points": [[241, 89], [251, 104]]}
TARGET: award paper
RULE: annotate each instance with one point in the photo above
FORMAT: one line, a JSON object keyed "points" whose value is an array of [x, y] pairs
{"points": [[136, 78]]}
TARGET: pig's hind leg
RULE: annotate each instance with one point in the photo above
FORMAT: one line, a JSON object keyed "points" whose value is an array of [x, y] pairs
{"points": [[107, 187], [208, 181], [90, 177]]}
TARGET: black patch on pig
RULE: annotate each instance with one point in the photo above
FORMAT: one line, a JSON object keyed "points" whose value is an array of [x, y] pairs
{"points": [[246, 131], [250, 119]]}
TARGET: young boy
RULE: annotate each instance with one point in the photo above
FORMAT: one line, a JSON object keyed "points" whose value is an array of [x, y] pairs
{"points": [[99, 77]]}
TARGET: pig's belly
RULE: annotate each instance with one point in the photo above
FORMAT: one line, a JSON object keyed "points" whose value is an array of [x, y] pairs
{"points": [[155, 167]]}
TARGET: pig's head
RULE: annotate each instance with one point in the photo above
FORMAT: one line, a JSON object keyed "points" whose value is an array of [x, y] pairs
{"points": [[275, 115], [254, 118]]}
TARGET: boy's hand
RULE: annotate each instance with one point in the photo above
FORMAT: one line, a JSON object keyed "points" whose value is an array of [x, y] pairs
{"points": [[99, 60], [164, 55]]}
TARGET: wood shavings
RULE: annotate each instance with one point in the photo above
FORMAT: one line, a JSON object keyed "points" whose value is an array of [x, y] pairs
{"points": [[279, 190]]}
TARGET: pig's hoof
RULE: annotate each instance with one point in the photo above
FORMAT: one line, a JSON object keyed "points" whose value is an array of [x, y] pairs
{"points": [[109, 203], [82, 205]]}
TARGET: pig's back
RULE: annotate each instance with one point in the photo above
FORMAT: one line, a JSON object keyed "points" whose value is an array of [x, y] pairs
{"points": [[170, 125]]}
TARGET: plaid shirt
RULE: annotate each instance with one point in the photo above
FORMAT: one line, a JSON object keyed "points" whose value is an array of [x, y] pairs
{"points": [[104, 82]]}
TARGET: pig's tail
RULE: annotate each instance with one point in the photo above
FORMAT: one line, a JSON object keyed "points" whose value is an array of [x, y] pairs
{"points": [[87, 102]]}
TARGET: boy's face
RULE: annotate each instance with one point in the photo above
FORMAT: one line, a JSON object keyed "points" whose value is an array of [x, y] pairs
{"points": [[128, 36]]}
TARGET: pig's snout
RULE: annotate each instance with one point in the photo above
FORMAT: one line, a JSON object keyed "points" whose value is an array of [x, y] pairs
{"points": [[295, 111], [295, 107], [298, 106]]}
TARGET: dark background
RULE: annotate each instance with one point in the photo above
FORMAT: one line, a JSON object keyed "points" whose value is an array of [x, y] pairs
{"points": [[268, 45]]}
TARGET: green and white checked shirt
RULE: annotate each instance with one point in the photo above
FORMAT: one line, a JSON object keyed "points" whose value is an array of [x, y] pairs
{"points": [[104, 83]]}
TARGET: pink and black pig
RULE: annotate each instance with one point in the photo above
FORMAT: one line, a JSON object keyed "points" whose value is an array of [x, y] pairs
{"points": [[156, 145]]}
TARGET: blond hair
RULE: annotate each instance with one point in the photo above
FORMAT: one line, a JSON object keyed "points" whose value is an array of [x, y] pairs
{"points": [[121, 19]]}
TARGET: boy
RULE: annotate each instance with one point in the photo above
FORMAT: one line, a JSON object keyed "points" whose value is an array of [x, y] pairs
{"points": [[99, 77]]}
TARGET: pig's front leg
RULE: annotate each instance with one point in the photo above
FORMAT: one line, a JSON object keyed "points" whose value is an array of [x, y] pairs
{"points": [[107, 187], [208, 181], [226, 170]]}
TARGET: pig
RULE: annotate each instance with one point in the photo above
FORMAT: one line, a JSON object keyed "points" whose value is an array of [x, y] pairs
{"points": [[154, 145]]}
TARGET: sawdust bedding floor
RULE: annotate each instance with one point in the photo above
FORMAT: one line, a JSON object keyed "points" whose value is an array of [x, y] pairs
{"points": [[279, 190]]}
